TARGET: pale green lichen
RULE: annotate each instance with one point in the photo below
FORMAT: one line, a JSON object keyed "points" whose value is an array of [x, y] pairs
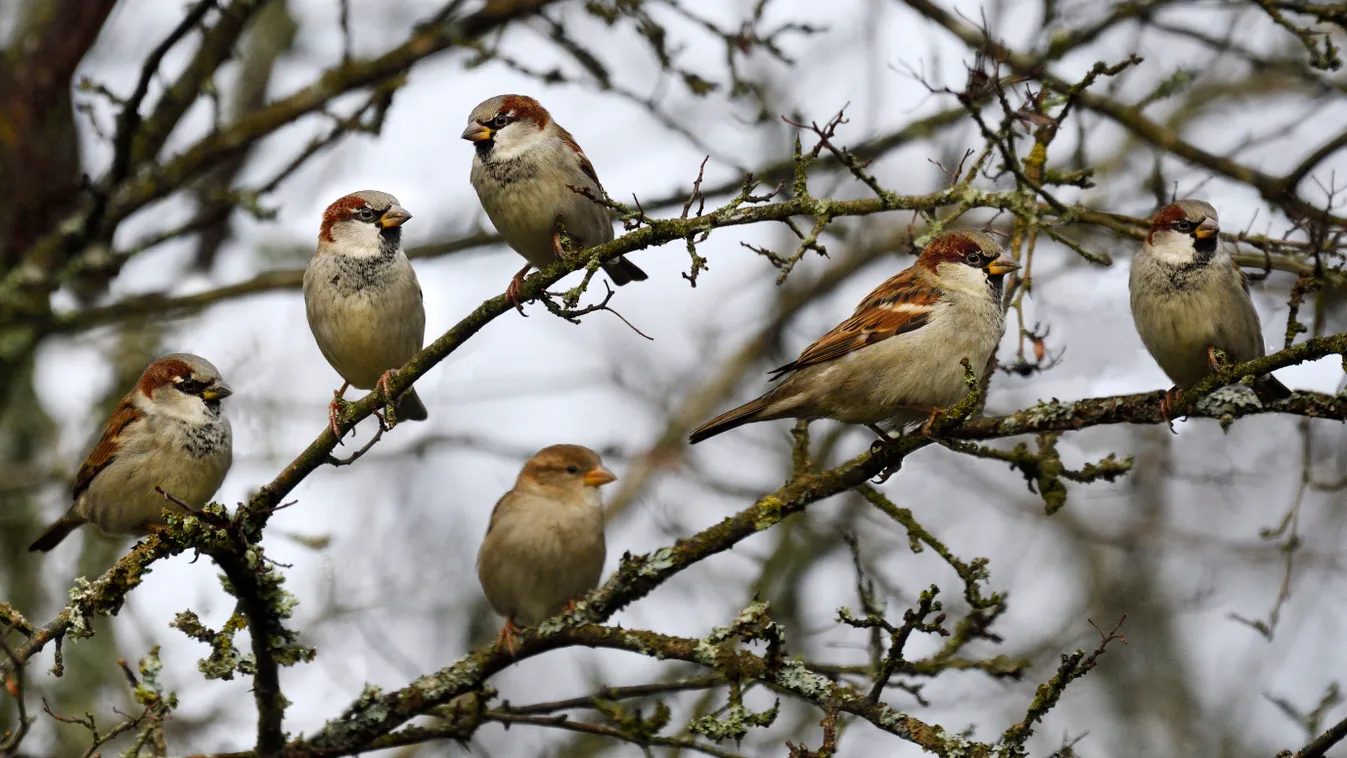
{"points": [[657, 562], [735, 724], [797, 677], [1228, 403], [1045, 412]]}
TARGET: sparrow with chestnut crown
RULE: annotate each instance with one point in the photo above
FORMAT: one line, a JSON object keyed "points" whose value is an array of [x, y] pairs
{"points": [[544, 547], [897, 359], [363, 301], [523, 169], [167, 445], [1189, 296]]}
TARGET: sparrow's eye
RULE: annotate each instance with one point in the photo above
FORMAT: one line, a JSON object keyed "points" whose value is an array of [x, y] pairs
{"points": [[500, 121], [974, 259], [572, 469], [1183, 225], [191, 386], [365, 214]]}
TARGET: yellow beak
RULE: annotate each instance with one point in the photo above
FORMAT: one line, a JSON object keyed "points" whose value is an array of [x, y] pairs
{"points": [[218, 392], [1206, 230], [477, 133], [598, 476], [395, 216], [1002, 265]]}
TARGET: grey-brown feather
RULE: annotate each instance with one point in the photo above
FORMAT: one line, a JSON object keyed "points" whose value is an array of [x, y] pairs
{"points": [[1181, 310], [541, 552], [367, 318]]}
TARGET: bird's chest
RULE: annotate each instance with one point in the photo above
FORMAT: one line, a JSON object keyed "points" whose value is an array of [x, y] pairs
{"points": [[195, 442], [358, 278]]}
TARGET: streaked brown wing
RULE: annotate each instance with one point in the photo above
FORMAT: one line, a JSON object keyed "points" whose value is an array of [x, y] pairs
{"points": [[105, 451], [898, 306], [585, 165]]}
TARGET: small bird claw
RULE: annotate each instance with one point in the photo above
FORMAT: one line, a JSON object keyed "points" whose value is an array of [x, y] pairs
{"points": [[334, 409], [1212, 361], [512, 290], [390, 408], [1167, 407], [507, 637]]}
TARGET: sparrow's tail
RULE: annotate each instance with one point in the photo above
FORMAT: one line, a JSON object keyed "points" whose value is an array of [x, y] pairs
{"points": [[744, 414], [1268, 389], [56, 532], [410, 407], [623, 271]]}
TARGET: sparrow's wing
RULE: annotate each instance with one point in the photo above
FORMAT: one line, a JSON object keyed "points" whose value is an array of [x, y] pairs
{"points": [[585, 165], [105, 451], [898, 306], [496, 512]]}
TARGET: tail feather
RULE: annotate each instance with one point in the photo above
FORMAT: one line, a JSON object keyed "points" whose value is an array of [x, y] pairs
{"points": [[1269, 389], [744, 414], [410, 407], [56, 532], [623, 271]]}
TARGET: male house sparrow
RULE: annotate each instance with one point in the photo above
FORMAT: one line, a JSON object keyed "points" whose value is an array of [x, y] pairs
{"points": [[523, 171], [362, 298], [1188, 296], [544, 546], [897, 359], [169, 433]]}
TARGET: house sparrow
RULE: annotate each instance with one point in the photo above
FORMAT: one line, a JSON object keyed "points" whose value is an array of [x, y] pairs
{"points": [[897, 359], [168, 433], [362, 298], [523, 172], [1188, 297], [544, 547]]}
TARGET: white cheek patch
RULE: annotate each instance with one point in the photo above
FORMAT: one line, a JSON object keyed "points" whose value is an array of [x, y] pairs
{"points": [[1173, 248]]}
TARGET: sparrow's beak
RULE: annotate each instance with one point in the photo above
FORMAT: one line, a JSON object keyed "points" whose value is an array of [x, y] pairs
{"points": [[216, 392], [598, 476], [1207, 229], [1002, 265], [477, 133], [395, 216]]}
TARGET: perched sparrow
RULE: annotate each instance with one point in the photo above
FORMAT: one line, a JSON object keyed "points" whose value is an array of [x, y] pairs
{"points": [[169, 433], [363, 300], [523, 172], [544, 547], [1188, 296], [897, 359]]}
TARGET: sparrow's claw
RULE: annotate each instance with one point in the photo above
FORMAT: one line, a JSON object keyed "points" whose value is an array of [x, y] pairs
{"points": [[507, 637], [1167, 407], [512, 291], [1212, 362], [928, 428], [390, 408], [334, 409]]}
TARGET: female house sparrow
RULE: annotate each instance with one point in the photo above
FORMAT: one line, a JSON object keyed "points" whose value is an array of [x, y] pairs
{"points": [[523, 172], [169, 433], [362, 298], [544, 546], [1188, 296], [897, 359]]}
